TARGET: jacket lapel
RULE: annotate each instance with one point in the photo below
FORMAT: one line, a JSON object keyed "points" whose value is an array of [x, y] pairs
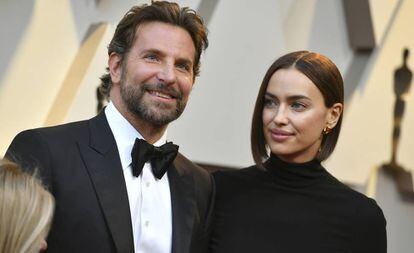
{"points": [[102, 161], [183, 207]]}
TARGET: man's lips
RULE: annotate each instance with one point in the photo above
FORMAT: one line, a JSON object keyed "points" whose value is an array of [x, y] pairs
{"points": [[162, 91], [161, 94], [165, 95]]}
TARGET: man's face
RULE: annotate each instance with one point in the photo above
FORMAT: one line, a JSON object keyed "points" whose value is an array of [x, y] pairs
{"points": [[157, 73]]}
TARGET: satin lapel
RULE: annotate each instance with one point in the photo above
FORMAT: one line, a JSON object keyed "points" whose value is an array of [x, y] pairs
{"points": [[183, 208], [104, 166]]}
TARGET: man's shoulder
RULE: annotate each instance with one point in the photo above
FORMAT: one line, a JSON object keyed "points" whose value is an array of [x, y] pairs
{"points": [[58, 132], [51, 137], [37, 142], [39, 146], [72, 130], [62, 128]]}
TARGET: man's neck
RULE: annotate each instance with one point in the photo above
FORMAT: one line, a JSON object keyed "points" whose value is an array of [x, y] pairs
{"points": [[151, 133]]}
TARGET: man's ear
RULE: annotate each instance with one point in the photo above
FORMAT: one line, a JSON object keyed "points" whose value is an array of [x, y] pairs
{"points": [[333, 115], [115, 67]]}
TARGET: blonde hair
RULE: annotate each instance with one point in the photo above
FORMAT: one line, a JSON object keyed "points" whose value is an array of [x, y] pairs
{"points": [[26, 210]]}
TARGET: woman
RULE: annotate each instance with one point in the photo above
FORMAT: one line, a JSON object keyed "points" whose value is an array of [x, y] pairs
{"points": [[288, 202], [26, 210]]}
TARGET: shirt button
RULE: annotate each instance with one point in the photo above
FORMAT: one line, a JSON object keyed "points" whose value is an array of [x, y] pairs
{"points": [[147, 184], [146, 223]]}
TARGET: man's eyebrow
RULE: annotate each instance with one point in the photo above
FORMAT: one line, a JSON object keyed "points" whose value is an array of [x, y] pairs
{"points": [[186, 61], [152, 50], [189, 61]]}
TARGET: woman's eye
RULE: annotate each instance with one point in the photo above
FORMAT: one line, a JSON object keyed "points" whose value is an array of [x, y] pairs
{"points": [[298, 106], [269, 103]]}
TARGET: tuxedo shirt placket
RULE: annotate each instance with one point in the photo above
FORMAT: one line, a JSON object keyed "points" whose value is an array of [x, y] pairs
{"points": [[149, 198], [155, 213]]}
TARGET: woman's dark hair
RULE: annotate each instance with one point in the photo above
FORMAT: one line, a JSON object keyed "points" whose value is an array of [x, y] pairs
{"points": [[326, 77], [158, 11]]}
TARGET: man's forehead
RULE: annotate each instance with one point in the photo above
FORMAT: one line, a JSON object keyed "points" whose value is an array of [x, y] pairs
{"points": [[154, 27], [160, 36]]}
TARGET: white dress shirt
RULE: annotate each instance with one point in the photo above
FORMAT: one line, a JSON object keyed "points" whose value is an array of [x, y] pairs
{"points": [[149, 197]]}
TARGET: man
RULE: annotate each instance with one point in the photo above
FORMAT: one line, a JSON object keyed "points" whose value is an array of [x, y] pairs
{"points": [[109, 196]]}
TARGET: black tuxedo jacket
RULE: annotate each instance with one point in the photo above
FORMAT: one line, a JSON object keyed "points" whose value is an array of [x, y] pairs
{"points": [[80, 165]]}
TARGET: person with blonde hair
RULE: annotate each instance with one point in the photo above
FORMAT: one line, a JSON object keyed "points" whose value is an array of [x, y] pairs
{"points": [[26, 210]]}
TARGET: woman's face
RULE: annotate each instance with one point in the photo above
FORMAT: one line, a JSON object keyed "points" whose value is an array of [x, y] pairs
{"points": [[294, 116]]}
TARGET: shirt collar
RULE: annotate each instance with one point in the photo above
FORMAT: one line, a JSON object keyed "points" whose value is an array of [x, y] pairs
{"points": [[125, 134]]}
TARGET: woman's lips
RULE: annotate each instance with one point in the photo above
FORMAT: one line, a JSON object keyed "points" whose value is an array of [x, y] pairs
{"points": [[280, 135]]}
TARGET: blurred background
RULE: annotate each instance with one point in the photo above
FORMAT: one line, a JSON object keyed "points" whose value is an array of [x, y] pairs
{"points": [[52, 53]]}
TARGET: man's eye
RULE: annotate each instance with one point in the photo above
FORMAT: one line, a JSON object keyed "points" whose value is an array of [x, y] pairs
{"points": [[183, 66], [151, 57]]}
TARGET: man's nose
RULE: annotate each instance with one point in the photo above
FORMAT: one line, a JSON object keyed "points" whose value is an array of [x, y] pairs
{"points": [[167, 74]]}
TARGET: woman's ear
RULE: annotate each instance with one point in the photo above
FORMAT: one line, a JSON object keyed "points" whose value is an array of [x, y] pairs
{"points": [[115, 67], [334, 114], [43, 245]]}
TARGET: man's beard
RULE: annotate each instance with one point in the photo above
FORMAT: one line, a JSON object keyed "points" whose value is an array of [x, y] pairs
{"points": [[156, 113]]}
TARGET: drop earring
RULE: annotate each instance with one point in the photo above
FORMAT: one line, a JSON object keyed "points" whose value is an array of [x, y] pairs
{"points": [[326, 130]]}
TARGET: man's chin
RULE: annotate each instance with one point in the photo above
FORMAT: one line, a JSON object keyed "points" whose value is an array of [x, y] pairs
{"points": [[158, 119], [155, 112]]}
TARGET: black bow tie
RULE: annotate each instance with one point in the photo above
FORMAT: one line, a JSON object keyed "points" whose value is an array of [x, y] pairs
{"points": [[160, 157]]}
